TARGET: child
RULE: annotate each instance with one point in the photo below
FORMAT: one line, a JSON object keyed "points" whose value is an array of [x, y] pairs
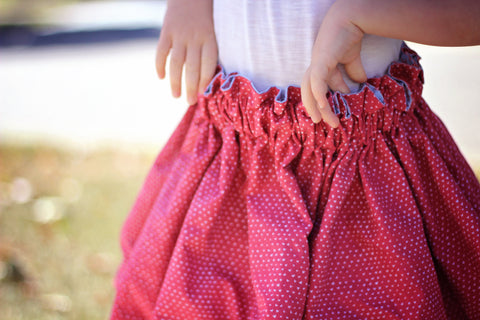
{"points": [[254, 210]]}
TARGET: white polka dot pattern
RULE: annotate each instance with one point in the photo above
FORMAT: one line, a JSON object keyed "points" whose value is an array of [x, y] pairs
{"points": [[252, 211]]}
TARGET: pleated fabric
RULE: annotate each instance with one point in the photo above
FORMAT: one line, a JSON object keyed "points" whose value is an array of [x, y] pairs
{"points": [[252, 211]]}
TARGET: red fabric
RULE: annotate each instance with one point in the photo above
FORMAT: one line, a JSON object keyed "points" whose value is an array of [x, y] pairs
{"points": [[252, 211]]}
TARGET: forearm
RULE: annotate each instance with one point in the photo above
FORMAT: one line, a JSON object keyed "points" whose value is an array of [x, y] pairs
{"points": [[190, 9], [206, 4], [432, 22]]}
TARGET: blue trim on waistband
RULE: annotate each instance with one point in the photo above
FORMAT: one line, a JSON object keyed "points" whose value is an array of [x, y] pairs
{"points": [[229, 79], [283, 93]]}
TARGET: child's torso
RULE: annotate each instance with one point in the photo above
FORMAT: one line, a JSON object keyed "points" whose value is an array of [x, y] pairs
{"points": [[270, 41]]}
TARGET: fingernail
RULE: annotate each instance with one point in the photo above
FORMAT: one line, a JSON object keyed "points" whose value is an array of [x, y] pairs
{"points": [[335, 124], [316, 119], [316, 116], [191, 101]]}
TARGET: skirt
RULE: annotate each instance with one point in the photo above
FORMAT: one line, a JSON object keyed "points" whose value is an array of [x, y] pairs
{"points": [[252, 211]]}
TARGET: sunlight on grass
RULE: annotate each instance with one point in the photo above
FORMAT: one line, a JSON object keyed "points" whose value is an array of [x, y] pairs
{"points": [[26, 11], [60, 215]]}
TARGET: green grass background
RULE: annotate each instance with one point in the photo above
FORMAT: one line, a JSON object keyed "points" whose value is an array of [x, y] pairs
{"points": [[69, 261]]}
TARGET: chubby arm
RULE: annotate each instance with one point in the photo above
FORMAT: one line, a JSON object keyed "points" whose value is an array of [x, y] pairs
{"points": [[432, 22], [188, 36]]}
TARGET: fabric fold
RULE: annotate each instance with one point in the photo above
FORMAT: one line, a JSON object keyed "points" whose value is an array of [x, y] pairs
{"points": [[252, 211]]}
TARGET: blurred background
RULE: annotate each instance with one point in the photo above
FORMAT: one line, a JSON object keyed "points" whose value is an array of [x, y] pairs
{"points": [[82, 117]]}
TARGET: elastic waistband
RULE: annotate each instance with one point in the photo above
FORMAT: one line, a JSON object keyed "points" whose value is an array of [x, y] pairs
{"points": [[231, 100]]}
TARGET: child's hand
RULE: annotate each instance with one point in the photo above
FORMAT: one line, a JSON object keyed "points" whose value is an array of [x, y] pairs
{"points": [[188, 35], [338, 42]]}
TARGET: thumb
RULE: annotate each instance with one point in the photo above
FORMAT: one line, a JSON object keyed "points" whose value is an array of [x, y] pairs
{"points": [[355, 70]]}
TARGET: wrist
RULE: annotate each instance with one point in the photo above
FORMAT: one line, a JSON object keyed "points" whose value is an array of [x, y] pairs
{"points": [[196, 16], [349, 13], [195, 3]]}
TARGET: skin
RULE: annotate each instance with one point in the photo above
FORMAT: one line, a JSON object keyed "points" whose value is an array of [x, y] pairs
{"points": [[188, 35]]}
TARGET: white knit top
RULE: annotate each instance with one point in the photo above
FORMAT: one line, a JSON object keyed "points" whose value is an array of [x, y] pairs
{"points": [[270, 41]]}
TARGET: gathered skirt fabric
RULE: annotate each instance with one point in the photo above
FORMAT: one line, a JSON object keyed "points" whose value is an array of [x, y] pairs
{"points": [[252, 211]]}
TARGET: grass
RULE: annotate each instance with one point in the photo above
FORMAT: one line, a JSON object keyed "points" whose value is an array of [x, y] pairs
{"points": [[60, 215], [28, 11]]}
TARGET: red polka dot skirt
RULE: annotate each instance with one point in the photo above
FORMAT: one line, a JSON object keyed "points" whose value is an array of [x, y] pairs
{"points": [[252, 211]]}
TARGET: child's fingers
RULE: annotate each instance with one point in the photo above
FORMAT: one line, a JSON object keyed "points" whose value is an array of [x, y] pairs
{"points": [[192, 73], [337, 83], [308, 99], [329, 117], [319, 89], [163, 48], [355, 70], [177, 59], [209, 64]]}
